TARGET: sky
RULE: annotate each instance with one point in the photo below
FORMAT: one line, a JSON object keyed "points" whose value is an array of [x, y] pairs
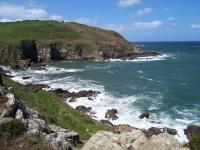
{"points": [[136, 20]]}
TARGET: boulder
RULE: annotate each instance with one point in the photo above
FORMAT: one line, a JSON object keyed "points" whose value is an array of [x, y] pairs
{"points": [[170, 131], [111, 114], [144, 115], [134, 140], [10, 107], [162, 141], [152, 131], [83, 109], [192, 131]]}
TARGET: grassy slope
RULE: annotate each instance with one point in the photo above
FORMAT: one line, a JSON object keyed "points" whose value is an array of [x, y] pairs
{"points": [[13, 32], [55, 111]]}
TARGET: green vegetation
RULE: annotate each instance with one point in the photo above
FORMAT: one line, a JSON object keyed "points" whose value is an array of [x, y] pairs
{"points": [[55, 111], [13, 128], [13, 32], [195, 143]]}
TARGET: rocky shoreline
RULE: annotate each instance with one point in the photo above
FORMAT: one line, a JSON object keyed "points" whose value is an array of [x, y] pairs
{"points": [[133, 138]]}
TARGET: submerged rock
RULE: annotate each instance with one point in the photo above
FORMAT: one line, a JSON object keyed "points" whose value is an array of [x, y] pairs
{"points": [[25, 78], [111, 114], [144, 115]]}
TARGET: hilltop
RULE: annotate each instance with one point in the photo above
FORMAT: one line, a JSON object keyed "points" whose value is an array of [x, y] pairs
{"points": [[42, 41]]}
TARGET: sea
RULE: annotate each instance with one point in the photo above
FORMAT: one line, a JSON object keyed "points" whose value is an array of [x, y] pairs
{"points": [[166, 86]]}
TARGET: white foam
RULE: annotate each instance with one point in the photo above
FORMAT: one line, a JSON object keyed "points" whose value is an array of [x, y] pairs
{"points": [[144, 59]]}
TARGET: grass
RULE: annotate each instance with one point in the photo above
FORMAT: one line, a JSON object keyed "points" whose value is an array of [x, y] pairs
{"points": [[55, 111], [13, 32], [195, 143]]}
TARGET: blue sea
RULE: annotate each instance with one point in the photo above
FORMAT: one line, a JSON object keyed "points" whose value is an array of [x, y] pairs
{"points": [[167, 86]]}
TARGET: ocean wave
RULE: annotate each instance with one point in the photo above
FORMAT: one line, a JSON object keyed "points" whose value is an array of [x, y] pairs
{"points": [[144, 59]]}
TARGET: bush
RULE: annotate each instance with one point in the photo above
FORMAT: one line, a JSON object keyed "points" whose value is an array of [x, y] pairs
{"points": [[195, 143], [12, 128]]}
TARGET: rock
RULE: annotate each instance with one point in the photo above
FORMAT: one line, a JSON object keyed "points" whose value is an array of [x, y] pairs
{"points": [[10, 107], [25, 78], [161, 142], [192, 131], [103, 140], [83, 109], [5, 120], [64, 94], [134, 140], [123, 128], [152, 131], [19, 114], [144, 115], [106, 122], [170, 131], [34, 87], [37, 127], [14, 108], [111, 114]]}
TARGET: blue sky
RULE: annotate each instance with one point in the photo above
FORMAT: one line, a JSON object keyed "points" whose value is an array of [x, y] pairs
{"points": [[137, 20]]}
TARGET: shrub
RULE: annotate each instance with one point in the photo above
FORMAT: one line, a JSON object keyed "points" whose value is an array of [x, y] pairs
{"points": [[12, 128]]}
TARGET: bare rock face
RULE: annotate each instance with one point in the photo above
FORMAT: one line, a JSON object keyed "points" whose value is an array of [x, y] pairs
{"points": [[134, 140], [111, 114]]}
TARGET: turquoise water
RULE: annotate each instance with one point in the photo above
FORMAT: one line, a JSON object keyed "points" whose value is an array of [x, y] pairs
{"points": [[168, 87]]}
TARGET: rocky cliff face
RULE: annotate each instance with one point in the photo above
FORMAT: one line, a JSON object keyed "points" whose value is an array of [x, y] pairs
{"points": [[91, 43]]}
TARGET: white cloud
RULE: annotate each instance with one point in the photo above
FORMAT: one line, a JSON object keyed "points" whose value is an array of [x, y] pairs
{"points": [[56, 17], [127, 3], [83, 20], [195, 26], [144, 11], [11, 12], [146, 25], [135, 26], [170, 18], [20, 12]]}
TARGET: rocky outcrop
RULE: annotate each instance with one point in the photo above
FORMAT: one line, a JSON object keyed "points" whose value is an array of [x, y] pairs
{"points": [[192, 131], [57, 137], [111, 114], [64, 94], [134, 140]]}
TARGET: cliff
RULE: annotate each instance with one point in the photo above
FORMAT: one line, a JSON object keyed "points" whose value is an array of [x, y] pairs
{"points": [[42, 41]]}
